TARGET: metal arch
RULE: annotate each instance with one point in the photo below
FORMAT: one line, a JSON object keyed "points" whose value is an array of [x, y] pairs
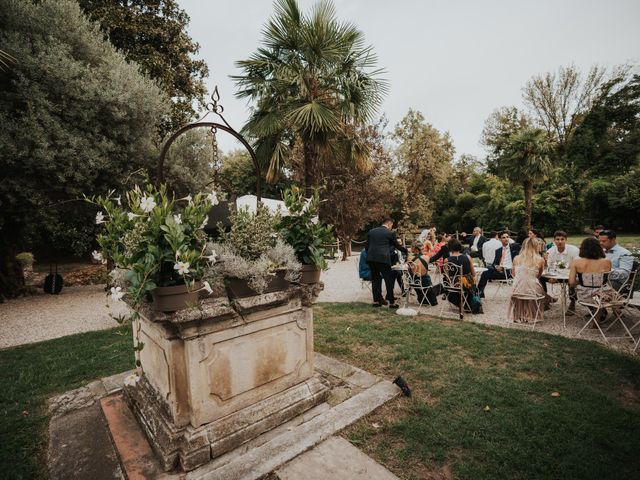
{"points": [[226, 128]]}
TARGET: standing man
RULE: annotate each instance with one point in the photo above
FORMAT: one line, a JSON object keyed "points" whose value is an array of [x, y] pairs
{"points": [[381, 241], [500, 267], [621, 258]]}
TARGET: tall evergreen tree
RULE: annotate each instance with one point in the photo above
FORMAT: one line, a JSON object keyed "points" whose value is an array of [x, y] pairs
{"points": [[153, 33], [76, 118]]}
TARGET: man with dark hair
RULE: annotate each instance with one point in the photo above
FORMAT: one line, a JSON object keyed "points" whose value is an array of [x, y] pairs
{"points": [[621, 258], [381, 241], [489, 247], [501, 264], [596, 231], [561, 253]]}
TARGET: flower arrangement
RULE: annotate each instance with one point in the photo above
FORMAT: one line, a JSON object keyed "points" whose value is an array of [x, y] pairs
{"points": [[562, 265], [302, 230], [155, 239], [252, 250]]}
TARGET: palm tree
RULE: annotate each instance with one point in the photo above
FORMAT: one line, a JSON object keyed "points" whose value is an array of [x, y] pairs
{"points": [[525, 161], [310, 81]]}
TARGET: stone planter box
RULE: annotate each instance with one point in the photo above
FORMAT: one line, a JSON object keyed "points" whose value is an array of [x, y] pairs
{"points": [[220, 375]]}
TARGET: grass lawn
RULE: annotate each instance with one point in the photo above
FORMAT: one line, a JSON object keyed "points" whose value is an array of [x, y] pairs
{"points": [[482, 404], [592, 430], [32, 373]]}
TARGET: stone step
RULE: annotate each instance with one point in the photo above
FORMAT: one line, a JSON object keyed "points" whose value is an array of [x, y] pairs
{"points": [[333, 459], [80, 447]]}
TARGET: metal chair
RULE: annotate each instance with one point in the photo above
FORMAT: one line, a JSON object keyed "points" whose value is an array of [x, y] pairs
{"points": [[452, 283], [539, 302], [625, 300], [602, 297], [413, 281], [508, 281]]}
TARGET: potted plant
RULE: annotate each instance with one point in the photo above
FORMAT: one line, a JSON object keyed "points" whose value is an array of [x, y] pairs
{"points": [[252, 258], [305, 233], [158, 243]]}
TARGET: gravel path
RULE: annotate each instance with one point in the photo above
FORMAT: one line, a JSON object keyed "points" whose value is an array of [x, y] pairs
{"points": [[84, 308], [342, 284], [43, 317]]}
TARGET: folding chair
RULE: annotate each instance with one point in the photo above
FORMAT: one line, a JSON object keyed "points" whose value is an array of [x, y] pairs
{"points": [[508, 281], [452, 283], [625, 294], [598, 302], [539, 301], [414, 282]]}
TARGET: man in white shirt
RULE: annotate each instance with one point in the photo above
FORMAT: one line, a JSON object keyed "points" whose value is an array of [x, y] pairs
{"points": [[561, 254], [489, 247], [502, 263]]}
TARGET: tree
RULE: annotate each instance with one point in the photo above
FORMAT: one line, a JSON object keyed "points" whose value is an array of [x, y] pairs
{"points": [[560, 100], [500, 126], [311, 78], [153, 33], [422, 165], [525, 161], [353, 198], [76, 119]]}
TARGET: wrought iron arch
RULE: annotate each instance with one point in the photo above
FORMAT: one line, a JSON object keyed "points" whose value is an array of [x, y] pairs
{"points": [[217, 109]]}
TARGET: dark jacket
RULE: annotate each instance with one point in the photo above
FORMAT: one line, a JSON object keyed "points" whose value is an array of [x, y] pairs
{"points": [[469, 241], [363, 269], [513, 247], [380, 243]]}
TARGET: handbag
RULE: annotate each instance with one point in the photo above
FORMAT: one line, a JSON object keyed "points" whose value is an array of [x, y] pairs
{"points": [[53, 282]]}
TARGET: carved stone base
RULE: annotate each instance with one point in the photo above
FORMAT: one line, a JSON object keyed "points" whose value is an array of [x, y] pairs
{"points": [[192, 447]]}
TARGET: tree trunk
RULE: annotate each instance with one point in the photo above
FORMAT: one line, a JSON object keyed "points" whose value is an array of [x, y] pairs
{"points": [[346, 247], [310, 153], [528, 200]]}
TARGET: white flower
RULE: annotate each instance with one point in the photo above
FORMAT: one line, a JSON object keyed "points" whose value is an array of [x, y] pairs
{"points": [[205, 221], [131, 380], [188, 198], [147, 204], [182, 267], [213, 198], [100, 218], [207, 287], [97, 256], [131, 215], [213, 257], [178, 218], [116, 293], [118, 200]]}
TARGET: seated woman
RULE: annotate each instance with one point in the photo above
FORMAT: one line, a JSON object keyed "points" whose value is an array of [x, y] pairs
{"points": [[418, 267], [527, 270], [427, 249], [589, 274], [456, 257]]}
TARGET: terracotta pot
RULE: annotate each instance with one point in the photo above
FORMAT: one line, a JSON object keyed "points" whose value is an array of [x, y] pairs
{"points": [[309, 274], [239, 287], [177, 297]]}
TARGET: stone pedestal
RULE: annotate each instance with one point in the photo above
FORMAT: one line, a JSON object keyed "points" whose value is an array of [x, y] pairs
{"points": [[222, 374]]}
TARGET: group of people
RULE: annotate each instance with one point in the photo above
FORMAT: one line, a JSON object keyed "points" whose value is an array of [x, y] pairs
{"points": [[599, 265]]}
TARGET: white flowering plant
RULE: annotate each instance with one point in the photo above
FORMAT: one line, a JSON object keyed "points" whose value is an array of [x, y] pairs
{"points": [[156, 239]]}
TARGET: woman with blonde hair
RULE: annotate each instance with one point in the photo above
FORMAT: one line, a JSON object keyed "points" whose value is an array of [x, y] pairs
{"points": [[527, 270]]}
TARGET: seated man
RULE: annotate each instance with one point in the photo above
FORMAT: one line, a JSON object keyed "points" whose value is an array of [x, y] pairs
{"points": [[621, 258], [475, 243], [489, 247], [500, 267], [419, 268], [561, 254]]}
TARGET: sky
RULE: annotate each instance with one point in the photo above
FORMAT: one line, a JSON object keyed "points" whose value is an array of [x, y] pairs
{"points": [[455, 61]]}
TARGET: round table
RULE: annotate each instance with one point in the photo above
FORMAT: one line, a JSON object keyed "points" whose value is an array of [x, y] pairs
{"points": [[562, 277]]}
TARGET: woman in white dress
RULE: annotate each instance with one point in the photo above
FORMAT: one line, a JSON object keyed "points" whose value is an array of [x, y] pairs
{"points": [[526, 271]]}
